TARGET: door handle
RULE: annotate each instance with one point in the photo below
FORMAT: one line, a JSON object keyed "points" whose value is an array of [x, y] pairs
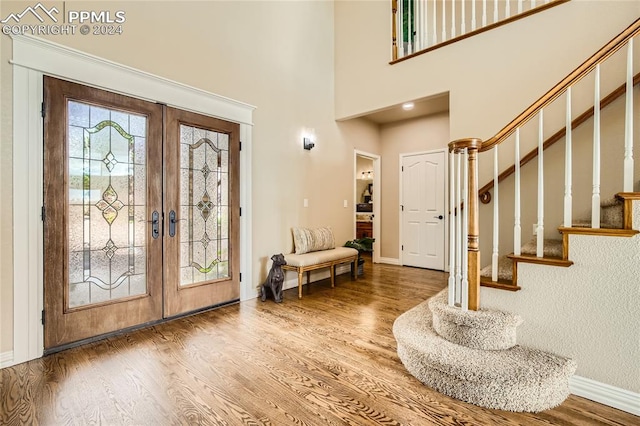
{"points": [[155, 224], [439, 217], [172, 223]]}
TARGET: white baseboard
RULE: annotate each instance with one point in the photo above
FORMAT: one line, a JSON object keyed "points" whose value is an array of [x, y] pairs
{"points": [[390, 261], [6, 359], [612, 396]]}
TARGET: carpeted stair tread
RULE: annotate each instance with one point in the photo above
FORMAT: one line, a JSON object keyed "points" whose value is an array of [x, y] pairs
{"points": [[516, 379], [552, 248], [482, 329]]}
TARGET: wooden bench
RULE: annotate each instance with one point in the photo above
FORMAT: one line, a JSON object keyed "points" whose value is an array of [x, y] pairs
{"points": [[311, 261]]}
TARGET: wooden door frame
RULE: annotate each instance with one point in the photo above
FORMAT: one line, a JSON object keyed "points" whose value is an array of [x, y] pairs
{"points": [[376, 196], [446, 201], [33, 58]]}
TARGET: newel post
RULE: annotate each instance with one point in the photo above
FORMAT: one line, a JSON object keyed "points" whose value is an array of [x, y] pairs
{"points": [[474, 229], [472, 246]]}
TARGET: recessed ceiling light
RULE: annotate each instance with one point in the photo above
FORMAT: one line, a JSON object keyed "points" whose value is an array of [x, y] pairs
{"points": [[407, 106]]}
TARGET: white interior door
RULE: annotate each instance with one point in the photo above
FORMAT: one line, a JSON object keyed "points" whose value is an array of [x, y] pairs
{"points": [[423, 203]]}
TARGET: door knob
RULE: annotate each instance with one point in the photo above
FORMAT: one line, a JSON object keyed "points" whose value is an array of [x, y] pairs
{"points": [[439, 217]]}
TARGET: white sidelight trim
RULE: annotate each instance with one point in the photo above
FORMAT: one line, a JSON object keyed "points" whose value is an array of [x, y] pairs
{"points": [[603, 393], [496, 219], [517, 230], [540, 226], [628, 123], [464, 293], [568, 201], [595, 197], [452, 230], [33, 58]]}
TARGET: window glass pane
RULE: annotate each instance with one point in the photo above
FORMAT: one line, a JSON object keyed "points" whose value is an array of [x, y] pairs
{"points": [[106, 204], [204, 189]]}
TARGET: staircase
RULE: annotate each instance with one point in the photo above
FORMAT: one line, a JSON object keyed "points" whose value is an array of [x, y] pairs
{"points": [[473, 356], [579, 302], [556, 251]]}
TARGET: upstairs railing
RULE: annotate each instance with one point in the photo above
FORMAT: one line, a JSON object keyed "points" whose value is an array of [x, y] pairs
{"points": [[464, 281], [422, 25]]}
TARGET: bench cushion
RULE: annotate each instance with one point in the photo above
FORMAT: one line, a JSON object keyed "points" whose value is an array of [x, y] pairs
{"points": [[313, 239], [317, 257]]}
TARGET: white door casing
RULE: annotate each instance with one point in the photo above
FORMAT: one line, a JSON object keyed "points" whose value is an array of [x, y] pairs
{"points": [[423, 210]]}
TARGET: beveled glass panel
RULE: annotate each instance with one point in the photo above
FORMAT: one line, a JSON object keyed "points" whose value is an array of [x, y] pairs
{"points": [[204, 191], [107, 233]]}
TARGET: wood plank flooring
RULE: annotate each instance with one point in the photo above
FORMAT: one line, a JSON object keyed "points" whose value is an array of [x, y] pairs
{"points": [[328, 359]]}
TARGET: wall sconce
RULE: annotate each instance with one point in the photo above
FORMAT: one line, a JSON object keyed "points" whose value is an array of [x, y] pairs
{"points": [[307, 143]]}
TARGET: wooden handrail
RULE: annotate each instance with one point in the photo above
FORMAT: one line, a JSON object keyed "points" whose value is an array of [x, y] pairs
{"points": [[605, 52], [485, 195]]}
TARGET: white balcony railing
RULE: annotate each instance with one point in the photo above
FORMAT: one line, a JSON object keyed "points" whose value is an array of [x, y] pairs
{"points": [[419, 25]]}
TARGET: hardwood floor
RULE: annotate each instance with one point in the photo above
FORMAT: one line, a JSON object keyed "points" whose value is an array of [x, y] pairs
{"points": [[329, 358]]}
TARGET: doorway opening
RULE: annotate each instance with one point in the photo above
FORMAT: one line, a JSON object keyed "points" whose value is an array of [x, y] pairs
{"points": [[367, 198], [142, 212]]}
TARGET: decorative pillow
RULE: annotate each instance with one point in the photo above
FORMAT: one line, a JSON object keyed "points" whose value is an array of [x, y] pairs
{"points": [[313, 239]]}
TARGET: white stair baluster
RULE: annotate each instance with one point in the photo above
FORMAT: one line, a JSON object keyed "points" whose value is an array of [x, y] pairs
{"points": [[595, 197], [517, 231], [519, 6], [435, 22], [495, 11], [533, 4], [444, 21], [464, 295], [417, 45], [453, 19], [568, 219], [452, 228], [540, 225], [496, 221], [507, 10], [484, 13], [425, 23], [463, 18], [410, 28], [400, 27], [473, 15], [628, 123], [458, 231]]}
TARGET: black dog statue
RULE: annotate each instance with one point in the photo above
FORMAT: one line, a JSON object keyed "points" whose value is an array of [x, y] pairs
{"points": [[274, 279]]}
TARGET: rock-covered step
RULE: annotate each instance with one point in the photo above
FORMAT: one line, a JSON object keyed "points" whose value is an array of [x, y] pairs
{"points": [[516, 379], [483, 329]]}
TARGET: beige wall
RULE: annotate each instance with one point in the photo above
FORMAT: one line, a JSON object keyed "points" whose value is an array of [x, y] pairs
{"points": [[490, 78], [416, 135], [588, 312], [262, 53]]}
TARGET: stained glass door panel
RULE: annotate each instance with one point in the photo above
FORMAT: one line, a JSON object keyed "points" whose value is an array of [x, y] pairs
{"points": [[107, 210], [103, 177], [202, 189], [204, 205]]}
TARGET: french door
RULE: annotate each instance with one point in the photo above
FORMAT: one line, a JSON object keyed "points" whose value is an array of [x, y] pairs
{"points": [[141, 212]]}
